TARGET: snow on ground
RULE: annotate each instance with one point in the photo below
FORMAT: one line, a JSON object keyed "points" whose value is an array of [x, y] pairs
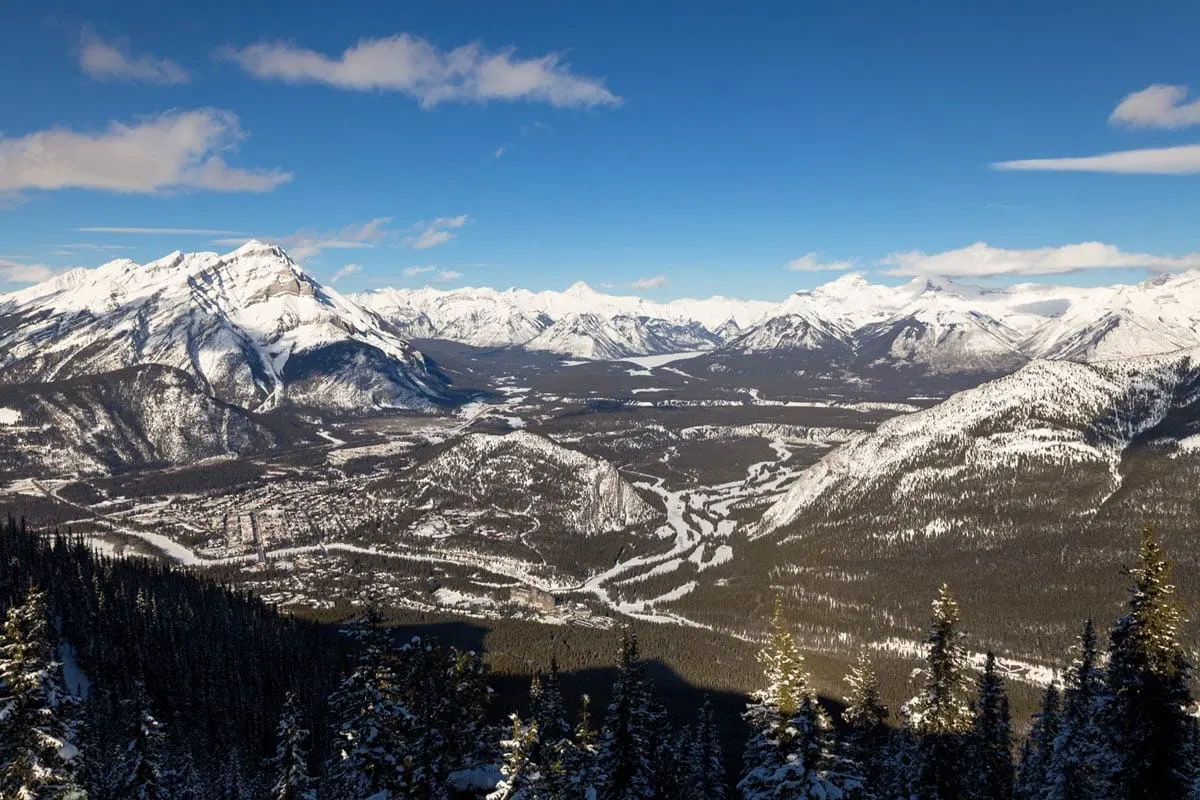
{"points": [[329, 437], [9, 416], [662, 358]]}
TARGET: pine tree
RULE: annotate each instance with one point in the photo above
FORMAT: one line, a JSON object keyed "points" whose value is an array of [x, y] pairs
{"points": [[289, 767], [580, 766], [1033, 774], [1147, 697], [143, 773], [864, 742], [991, 768], [788, 752], [704, 765], [1076, 769], [38, 713], [624, 761], [366, 710], [552, 754], [940, 716], [521, 777]]}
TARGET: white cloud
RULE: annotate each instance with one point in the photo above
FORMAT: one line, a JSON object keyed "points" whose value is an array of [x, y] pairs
{"points": [[18, 272], [501, 150], [434, 233], [106, 61], [811, 262], [1182, 160], [157, 231], [412, 272], [416, 67], [175, 150], [308, 243], [91, 246], [982, 260], [446, 276], [345, 272], [653, 282], [1157, 106]]}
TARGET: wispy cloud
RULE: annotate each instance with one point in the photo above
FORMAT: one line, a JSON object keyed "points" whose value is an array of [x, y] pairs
{"points": [[1157, 106], [1182, 160], [412, 272], [113, 61], [653, 282], [418, 68], [22, 272], [159, 231], [811, 262], [176, 150], [982, 260], [308, 243], [92, 246], [446, 276], [431, 234], [345, 272], [532, 127]]}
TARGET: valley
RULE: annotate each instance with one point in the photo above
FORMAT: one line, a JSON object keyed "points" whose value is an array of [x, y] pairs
{"points": [[679, 479]]}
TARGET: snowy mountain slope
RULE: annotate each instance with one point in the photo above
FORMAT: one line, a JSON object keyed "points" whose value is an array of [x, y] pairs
{"points": [[596, 337], [250, 326], [521, 471], [1053, 414], [578, 322], [949, 327], [147, 415]]}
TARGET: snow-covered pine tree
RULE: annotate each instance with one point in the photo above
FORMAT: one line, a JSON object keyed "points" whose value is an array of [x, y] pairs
{"points": [[580, 765], [788, 751], [553, 752], [865, 738], [522, 779], [143, 770], [991, 767], [1038, 748], [939, 715], [1076, 767], [288, 769], [366, 710], [37, 713], [624, 760], [703, 761], [1147, 693]]}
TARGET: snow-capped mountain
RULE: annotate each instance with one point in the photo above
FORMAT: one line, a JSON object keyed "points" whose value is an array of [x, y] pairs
{"points": [[949, 327], [251, 327], [1056, 415], [143, 416], [579, 322]]}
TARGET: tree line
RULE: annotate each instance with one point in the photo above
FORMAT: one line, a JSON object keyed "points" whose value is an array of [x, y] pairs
{"points": [[126, 679]]}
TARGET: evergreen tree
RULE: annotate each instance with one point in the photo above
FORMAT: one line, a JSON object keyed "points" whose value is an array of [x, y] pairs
{"points": [[624, 761], [788, 751], [37, 713], [580, 765], [703, 762], [991, 767], [521, 777], [939, 715], [1076, 769], [552, 753], [143, 773], [289, 768], [1033, 774], [865, 740], [366, 710], [1147, 697]]}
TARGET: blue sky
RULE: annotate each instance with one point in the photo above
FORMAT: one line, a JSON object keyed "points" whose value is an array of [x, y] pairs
{"points": [[685, 148]]}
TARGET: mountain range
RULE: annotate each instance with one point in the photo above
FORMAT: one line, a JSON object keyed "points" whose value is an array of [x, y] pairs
{"points": [[253, 328]]}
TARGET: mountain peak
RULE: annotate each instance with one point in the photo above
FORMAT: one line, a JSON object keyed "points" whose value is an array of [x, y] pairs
{"points": [[257, 247], [580, 289]]}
